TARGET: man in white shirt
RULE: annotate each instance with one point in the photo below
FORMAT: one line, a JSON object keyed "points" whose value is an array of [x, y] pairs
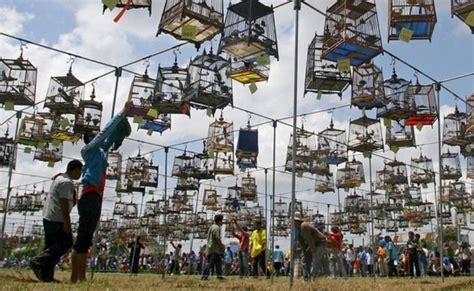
{"points": [[350, 259], [57, 222]]}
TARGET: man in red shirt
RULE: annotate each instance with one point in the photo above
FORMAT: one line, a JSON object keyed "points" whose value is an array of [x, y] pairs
{"points": [[336, 265], [242, 235]]}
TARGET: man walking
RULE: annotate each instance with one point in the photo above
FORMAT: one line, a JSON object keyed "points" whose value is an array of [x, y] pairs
{"points": [[412, 246], [57, 222], [242, 235], [258, 247], [215, 248], [277, 260]]}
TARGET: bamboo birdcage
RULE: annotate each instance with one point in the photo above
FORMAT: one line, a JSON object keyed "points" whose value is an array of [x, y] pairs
{"points": [[207, 84], [151, 176], [247, 148], [7, 151], [169, 90], [470, 167], [454, 129], [367, 87], [142, 95], [450, 166], [353, 32], [203, 165], [424, 102], [324, 183], [332, 145], [114, 165], [252, 69], [414, 196], [417, 16], [119, 208], [31, 130], [64, 94], [399, 134], [305, 147], [462, 9], [400, 103], [249, 29], [422, 171], [322, 76], [397, 172], [17, 81], [351, 175], [248, 188], [221, 136], [365, 135], [89, 117], [193, 20], [49, 152], [183, 166], [280, 209]]}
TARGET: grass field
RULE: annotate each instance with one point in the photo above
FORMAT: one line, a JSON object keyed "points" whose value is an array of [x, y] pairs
{"points": [[23, 280]]}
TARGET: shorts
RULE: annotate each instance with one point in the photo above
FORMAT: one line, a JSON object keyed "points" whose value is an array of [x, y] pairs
{"points": [[89, 207]]}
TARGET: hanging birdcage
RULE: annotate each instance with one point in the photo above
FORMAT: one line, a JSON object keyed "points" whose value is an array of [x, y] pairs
{"points": [[352, 32], [130, 211], [418, 17], [470, 167], [207, 84], [424, 102], [7, 151], [305, 147], [446, 215], [193, 20], [470, 119], [248, 189], [221, 136], [454, 129], [400, 103], [458, 191], [15, 204], [450, 166], [351, 175], [392, 225], [323, 77], [318, 219], [114, 165], [352, 203], [49, 151], [62, 127], [367, 87], [169, 90], [17, 81], [337, 218], [249, 30], [422, 171], [365, 135], [187, 184], [463, 9], [252, 69], [211, 198], [281, 209], [136, 169], [247, 148], [324, 183], [159, 124], [129, 4], [183, 166], [64, 94], [141, 95], [203, 165], [31, 130], [414, 196], [3, 205], [318, 166], [357, 224], [397, 172], [109, 225], [399, 134], [37, 230], [332, 145], [223, 163], [89, 117], [119, 208], [151, 176]]}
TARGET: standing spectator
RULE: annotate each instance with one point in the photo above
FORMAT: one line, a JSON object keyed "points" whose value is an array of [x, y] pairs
{"points": [[412, 247], [135, 248], [370, 261], [350, 259], [363, 261], [392, 256], [243, 236], [382, 257], [94, 154], [336, 264], [278, 260], [176, 258], [215, 248], [228, 258], [258, 247], [465, 255], [57, 222]]}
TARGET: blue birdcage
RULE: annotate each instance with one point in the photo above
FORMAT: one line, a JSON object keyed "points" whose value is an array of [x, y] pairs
{"points": [[247, 148], [417, 16], [160, 124]]}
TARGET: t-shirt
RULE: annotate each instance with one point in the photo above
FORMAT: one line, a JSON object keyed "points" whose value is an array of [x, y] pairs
{"points": [[213, 238], [350, 255], [259, 240], [228, 257], [336, 239], [392, 251], [61, 188], [243, 237], [278, 256], [177, 254]]}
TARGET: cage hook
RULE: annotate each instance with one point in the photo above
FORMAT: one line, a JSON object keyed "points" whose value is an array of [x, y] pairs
{"points": [[23, 46], [70, 62]]}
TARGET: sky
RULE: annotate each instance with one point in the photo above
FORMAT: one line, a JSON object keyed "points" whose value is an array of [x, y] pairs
{"points": [[81, 28]]}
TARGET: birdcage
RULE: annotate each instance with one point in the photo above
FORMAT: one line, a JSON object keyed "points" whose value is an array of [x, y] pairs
{"points": [[351, 175], [3, 205], [89, 117], [31, 130], [64, 94], [136, 168], [365, 135], [49, 151], [446, 217], [463, 9], [454, 129], [114, 165], [332, 145], [131, 223], [119, 208], [109, 224], [414, 196], [422, 171], [367, 87], [203, 165], [458, 191], [337, 218], [221, 136], [252, 69], [281, 209], [352, 32], [247, 148], [18, 81], [130, 210], [193, 20], [324, 183], [141, 95], [151, 176], [470, 167], [392, 225], [183, 166], [397, 172], [352, 203], [318, 219], [357, 224], [249, 29], [187, 184], [15, 204], [159, 124], [322, 76], [62, 127], [424, 102], [169, 90], [305, 147], [249, 188], [318, 166], [399, 134], [418, 17], [400, 103], [211, 199], [470, 117], [7, 151], [450, 166], [207, 84], [222, 163]]}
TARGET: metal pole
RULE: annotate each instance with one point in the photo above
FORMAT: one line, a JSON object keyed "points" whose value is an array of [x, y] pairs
{"points": [[194, 225], [118, 74], [327, 219], [273, 188], [297, 7], [136, 241], [372, 211], [438, 205], [10, 173], [165, 198]]}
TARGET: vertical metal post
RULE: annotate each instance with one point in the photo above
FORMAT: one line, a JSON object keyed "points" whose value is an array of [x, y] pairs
{"points": [[165, 198], [10, 173], [136, 241], [440, 166], [195, 221], [118, 74], [372, 243], [297, 7], [273, 189], [327, 220]]}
